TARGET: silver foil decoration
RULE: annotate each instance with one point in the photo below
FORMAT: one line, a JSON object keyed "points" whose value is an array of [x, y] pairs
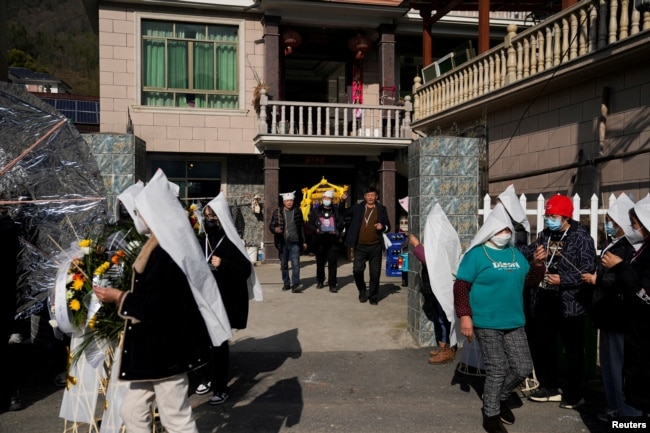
{"points": [[50, 185]]}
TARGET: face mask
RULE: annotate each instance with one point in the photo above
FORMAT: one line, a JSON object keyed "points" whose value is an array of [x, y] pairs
{"points": [[501, 240], [212, 226], [327, 202], [610, 229], [553, 224], [636, 237]]}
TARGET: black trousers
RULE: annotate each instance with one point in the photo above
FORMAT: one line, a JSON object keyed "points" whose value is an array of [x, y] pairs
{"points": [[326, 248]]}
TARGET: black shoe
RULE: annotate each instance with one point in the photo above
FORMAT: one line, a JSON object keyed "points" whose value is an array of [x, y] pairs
{"points": [[493, 424], [285, 288], [333, 289], [320, 285], [507, 417], [374, 302], [297, 288], [363, 296]]}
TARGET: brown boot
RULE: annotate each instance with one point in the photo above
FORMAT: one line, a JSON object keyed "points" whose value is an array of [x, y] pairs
{"points": [[441, 345], [445, 355]]}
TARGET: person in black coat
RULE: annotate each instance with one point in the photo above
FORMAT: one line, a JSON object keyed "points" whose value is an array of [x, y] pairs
{"points": [[633, 277], [327, 224], [173, 312], [368, 222], [9, 399], [231, 269], [607, 311]]}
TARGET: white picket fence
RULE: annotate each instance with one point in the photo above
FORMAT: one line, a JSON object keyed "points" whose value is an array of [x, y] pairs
{"points": [[595, 212]]}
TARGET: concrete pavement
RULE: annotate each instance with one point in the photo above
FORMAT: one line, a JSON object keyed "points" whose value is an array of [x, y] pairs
{"points": [[323, 362]]}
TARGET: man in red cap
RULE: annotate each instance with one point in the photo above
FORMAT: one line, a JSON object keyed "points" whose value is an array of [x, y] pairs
{"points": [[559, 303]]}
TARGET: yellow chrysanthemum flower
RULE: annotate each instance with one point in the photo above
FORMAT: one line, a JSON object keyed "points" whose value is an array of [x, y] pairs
{"points": [[101, 269], [85, 243], [74, 305], [78, 284], [92, 321]]}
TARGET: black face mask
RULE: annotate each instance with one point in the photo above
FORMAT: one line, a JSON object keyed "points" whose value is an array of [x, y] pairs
{"points": [[213, 227]]}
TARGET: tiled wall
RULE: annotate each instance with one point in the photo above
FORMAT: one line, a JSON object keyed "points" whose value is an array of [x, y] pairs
{"points": [[121, 161], [245, 179], [444, 170]]}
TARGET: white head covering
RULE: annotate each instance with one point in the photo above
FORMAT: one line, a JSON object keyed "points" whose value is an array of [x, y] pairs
{"points": [[495, 222], [219, 206], [288, 195], [642, 209], [514, 208], [619, 211], [329, 193], [404, 202], [165, 216], [128, 200], [442, 250]]}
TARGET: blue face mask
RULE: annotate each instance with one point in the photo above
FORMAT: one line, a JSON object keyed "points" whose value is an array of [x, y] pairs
{"points": [[610, 229], [553, 224]]}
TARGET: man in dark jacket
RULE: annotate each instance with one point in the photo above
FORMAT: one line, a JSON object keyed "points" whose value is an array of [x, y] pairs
{"points": [[327, 224], [368, 222], [288, 229]]}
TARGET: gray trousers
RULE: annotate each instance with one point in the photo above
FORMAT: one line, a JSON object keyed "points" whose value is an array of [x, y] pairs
{"points": [[507, 363]]}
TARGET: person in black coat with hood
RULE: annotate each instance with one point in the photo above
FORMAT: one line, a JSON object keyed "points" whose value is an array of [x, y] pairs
{"points": [[231, 269]]}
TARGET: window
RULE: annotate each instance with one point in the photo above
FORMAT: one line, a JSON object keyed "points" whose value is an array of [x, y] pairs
{"points": [[196, 178], [189, 65]]}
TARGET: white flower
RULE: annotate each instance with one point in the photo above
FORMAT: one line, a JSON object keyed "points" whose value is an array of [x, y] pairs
{"points": [[69, 294], [85, 250], [53, 324]]}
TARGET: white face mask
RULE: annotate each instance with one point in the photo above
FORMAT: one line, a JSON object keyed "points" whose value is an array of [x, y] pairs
{"points": [[636, 237], [501, 240], [327, 202]]}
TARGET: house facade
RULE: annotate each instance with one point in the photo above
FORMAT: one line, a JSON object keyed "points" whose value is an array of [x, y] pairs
{"points": [[259, 98]]}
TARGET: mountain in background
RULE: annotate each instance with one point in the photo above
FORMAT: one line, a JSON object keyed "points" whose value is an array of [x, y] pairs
{"points": [[55, 36]]}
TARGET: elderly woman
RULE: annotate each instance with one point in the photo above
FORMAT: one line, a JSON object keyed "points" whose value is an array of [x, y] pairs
{"points": [[633, 278], [488, 296]]}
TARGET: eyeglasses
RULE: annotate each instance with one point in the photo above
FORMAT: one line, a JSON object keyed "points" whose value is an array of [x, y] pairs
{"points": [[210, 217]]}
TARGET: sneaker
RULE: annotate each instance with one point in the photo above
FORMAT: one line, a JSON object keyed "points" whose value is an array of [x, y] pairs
{"points": [[219, 398], [285, 288], [605, 415], [545, 394], [203, 388], [566, 405], [297, 288]]}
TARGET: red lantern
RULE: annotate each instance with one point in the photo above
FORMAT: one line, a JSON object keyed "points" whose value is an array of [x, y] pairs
{"points": [[290, 39], [359, 44]]}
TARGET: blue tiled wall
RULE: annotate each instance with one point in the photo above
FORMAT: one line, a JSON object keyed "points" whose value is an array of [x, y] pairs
{"points": [[444, 170]]}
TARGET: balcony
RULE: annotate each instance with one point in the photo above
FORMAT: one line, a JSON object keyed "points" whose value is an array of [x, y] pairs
{"points": [[344, 129], [568, 46]]}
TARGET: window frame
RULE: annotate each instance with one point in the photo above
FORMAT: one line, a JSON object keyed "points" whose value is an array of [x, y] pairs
{"points": [[240, 92], [186, 157]]}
